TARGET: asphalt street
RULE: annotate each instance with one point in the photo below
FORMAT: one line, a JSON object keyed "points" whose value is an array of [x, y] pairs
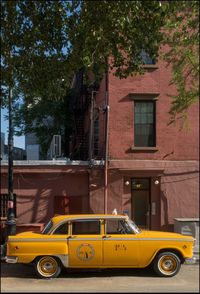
{"points": [[21, 278]]}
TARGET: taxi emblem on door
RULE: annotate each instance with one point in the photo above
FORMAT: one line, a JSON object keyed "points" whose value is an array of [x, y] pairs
{"points": [[85, 252]]}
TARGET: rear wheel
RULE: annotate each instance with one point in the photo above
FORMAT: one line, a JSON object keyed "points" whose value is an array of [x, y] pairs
{"points": [[47, 267], [167, 264]]}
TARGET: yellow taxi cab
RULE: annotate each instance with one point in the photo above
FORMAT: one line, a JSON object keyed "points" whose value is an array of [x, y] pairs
{"points": [[98, 241]]}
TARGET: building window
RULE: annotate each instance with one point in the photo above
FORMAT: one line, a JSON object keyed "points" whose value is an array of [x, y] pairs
{"points": [[146, 59], [4, 205], [144, 124]]}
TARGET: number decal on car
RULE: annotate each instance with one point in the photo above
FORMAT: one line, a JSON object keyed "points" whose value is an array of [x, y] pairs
{"points": [[120, 247]]}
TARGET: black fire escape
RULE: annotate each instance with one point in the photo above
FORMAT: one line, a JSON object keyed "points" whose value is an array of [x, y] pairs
{"points": [[79, 138]]}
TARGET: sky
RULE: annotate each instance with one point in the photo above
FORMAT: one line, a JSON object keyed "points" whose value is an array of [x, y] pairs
{"points": [[18, 141]]}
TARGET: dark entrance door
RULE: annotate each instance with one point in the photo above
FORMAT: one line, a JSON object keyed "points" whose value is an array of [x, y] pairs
{"points": [[140, 195]]}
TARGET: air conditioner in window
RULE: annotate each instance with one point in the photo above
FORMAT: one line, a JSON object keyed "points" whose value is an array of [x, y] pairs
{"points": [[55, 147]]}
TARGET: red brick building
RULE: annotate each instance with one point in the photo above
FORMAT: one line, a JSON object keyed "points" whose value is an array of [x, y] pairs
{"points": [[152, 169], [153, 172], [132, 159]]}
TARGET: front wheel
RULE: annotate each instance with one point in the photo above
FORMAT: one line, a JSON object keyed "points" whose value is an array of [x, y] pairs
{"points": [[47, 267], [167, 264]]}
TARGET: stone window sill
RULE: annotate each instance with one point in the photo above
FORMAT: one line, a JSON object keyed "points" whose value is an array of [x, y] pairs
{"points": [[150, 66], [145, 149]]}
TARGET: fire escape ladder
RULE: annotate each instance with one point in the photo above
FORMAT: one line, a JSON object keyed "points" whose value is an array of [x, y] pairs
{"points": [[81, 138]]}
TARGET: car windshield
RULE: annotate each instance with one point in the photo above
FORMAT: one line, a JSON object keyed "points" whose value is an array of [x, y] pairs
{"points": [[134, 226], [47, 228]]}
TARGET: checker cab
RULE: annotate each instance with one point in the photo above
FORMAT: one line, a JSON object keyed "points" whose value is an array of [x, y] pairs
{"points": [[98, 241]]}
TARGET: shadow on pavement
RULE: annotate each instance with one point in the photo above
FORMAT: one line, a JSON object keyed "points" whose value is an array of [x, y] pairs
{"points": [[27, 271], [85, 273]]}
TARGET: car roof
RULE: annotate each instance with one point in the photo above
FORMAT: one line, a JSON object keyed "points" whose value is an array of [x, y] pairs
{"points": [[60, 218]]}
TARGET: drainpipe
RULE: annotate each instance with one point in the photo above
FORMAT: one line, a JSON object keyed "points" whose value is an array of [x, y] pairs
{"points": [[106, 151]]}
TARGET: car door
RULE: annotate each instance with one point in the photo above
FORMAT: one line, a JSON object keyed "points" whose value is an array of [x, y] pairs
{"points": [[120, 246], [85, 243]]}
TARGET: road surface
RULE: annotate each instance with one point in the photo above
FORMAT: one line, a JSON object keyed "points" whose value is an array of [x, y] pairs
{"points": [[22, 278]]}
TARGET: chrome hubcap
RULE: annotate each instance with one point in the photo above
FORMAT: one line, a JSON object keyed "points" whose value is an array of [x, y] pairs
{"points": [[47, 266], [167, 265]]}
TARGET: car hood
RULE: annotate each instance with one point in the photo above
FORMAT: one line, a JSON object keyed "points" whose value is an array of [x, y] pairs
{"points": [[164, 235], [26, 235]]}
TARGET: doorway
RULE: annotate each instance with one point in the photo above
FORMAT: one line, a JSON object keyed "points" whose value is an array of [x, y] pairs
{"points": [[140, 200]]}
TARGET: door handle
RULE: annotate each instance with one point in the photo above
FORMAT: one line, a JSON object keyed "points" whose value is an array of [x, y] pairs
{"points": [[71, 237], [106, 236]]}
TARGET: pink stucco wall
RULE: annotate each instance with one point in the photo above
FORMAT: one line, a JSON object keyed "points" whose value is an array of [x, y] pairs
{"points": [[36, 189]]}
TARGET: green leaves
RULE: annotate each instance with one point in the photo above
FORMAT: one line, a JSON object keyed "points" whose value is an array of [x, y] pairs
{"points": [[117, 29], [181, 33], [33, 37], [43, 43]]}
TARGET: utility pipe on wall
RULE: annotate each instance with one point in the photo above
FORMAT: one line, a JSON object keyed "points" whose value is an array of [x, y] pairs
{"points": [[106, 166], [106, 151]]}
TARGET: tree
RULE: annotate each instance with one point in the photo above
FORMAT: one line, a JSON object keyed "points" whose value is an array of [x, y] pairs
{"points": [[122, 29], [45, 118], [116, 29], [33, 61], [181, 34], [51, 40], [29, 44], [45, 42]]}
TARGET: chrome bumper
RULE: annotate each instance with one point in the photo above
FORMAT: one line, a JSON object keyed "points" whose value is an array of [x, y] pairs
{"points": [[11, 259], [190, 260]]}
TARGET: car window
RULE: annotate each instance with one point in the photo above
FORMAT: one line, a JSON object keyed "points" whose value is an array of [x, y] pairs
{"points": [[47, 228], [116, 226], [61, 230], [86, 227]]}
